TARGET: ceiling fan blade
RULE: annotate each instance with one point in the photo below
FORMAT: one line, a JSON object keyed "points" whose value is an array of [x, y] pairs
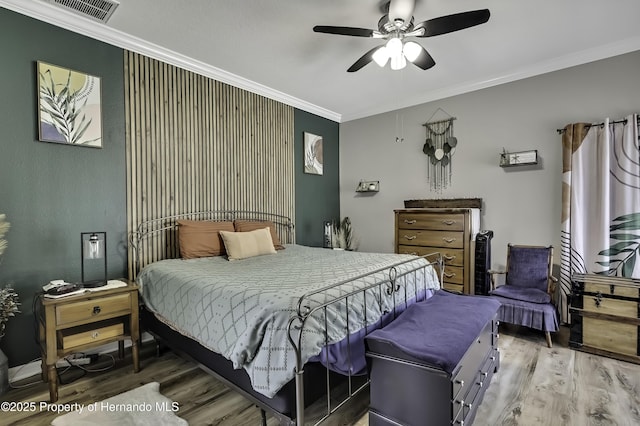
{"points": [[348, 31], [364, 60], [418, 55], [450, 23]]}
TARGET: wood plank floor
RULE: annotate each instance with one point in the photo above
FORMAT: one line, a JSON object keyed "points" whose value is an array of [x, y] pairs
{"points": [[535, 386]]}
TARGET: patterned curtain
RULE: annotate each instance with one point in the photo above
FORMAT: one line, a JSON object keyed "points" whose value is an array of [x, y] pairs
{"points": [[600, 201]]}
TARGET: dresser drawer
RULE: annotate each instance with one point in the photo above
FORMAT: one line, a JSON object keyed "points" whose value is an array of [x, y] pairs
{"points": [[431, 221], [610, 336], [605, 305], [448, 239], [458, 288], [453, 257], [93, 309], [453, 275]]}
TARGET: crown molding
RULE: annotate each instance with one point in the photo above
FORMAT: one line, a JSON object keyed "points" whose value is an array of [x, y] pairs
{"points": [[61, 18]]}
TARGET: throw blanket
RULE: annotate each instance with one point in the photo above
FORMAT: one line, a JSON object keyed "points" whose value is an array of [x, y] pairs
{"points": [[241, 309], [443, 347]]}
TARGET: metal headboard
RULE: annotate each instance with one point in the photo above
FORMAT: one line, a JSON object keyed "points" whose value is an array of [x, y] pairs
{"points": [[156, 239]]}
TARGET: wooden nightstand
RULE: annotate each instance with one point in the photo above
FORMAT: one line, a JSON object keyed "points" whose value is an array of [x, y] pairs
{"points": [[84, 321]]}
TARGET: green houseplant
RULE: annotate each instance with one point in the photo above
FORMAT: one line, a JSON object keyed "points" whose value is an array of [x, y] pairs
{"points": [[8, 297], [8, 308]]}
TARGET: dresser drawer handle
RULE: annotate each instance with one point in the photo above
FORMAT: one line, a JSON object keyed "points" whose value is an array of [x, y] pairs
{"points": [[449, 275], [95, 335], [598, 299], [448, 240], [96, 310], [449, 222], [410, 237], [410, 222], [445, 257]]}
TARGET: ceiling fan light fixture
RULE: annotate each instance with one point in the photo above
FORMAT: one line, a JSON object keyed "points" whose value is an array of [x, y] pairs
{"points": [[398, 62], [381, 56], [394, 47], [411, 50]]}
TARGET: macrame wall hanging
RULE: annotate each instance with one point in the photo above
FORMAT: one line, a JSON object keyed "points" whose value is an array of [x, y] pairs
{"points": [[439, 148]]}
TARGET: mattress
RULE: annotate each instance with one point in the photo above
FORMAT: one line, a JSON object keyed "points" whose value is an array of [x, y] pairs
{"points": [[241, 309]]}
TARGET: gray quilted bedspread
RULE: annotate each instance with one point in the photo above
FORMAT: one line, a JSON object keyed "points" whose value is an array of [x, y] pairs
{"points": [[241, 309]]}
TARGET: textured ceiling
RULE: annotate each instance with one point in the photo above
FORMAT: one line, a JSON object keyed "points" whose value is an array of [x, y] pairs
{"points": [[268, 46]]}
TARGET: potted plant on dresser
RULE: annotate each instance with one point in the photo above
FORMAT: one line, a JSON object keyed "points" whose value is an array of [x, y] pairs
{"points": [[8, 308]]}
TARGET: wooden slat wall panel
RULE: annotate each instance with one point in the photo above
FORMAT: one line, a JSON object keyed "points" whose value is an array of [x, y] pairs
{"points": [[196, 144]]}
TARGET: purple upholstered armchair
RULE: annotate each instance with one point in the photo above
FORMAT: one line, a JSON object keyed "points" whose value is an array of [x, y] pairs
{"points": [[528, 293]]}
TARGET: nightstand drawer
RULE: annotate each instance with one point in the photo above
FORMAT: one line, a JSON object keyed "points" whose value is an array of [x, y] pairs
{"points": [[94, 309], [89, 334]]}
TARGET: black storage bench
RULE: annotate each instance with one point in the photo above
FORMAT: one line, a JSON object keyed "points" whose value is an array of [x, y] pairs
{"points": [[433, 364]]}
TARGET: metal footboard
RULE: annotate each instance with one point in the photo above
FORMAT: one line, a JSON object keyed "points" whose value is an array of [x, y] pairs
{"points": [[394, 283]]}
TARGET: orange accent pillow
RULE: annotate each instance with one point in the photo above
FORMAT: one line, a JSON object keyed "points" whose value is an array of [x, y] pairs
{"points": [[201, 238], [251, 225]]}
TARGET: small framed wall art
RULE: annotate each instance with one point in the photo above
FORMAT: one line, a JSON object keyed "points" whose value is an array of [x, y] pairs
{"points": [[69, 106], [313, 159]]}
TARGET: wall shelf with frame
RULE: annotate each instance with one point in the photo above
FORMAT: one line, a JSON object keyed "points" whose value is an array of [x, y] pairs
{"points": [[368, 186], [520, 158]]}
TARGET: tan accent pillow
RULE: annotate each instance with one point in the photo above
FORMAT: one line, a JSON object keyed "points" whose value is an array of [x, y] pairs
{"points": [[250, 225], [241, 245], [200, 238]]}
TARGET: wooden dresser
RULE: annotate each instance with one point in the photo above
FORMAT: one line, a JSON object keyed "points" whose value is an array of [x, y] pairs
{"points": [[605, 316], [422, 231]]}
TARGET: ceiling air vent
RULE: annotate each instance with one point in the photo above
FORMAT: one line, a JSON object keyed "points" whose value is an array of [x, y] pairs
{"points": [[99, 10]]}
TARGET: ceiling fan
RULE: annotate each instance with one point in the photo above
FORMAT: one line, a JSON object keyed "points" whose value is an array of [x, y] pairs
{"points": [[396, 25]]}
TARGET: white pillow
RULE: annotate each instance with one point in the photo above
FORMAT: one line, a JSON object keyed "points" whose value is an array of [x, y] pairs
{"points": [[241, 245]]}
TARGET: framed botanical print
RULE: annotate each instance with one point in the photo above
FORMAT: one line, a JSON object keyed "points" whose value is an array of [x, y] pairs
{"points": [[313, 159], [69, 106]]}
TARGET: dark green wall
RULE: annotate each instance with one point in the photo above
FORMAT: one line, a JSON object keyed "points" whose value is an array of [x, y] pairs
{"points": [[317, 196], [52, 192]]}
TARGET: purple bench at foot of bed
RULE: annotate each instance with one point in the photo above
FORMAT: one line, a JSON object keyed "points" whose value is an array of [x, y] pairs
{"points": [[434, 363]]}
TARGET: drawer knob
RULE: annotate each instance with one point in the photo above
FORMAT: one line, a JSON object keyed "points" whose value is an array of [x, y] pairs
{"points": [[449, 258], [410, 237], [96, 310], [410, 222], [95, 335], [448, 240], [449, 222]]}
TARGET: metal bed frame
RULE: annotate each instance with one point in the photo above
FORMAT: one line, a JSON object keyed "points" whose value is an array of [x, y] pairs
{"points": [[393, 284]]}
